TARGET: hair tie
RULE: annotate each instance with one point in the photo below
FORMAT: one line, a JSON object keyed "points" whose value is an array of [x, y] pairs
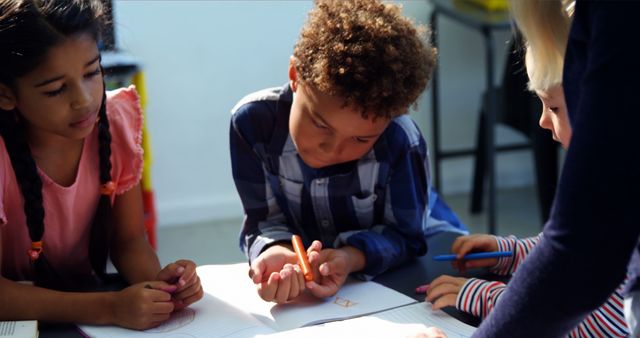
{"points": [[35, 251], [107, 188]]}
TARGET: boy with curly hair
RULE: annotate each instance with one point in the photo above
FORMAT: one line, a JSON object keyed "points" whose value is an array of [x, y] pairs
{"points": [[332, 155]]}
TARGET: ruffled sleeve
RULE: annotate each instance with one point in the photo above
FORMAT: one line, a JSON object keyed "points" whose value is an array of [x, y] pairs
{"points": [[5, 165], [125, 124]]}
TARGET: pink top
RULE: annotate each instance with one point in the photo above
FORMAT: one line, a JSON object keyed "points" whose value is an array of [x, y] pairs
{"points": [[69, 210]]}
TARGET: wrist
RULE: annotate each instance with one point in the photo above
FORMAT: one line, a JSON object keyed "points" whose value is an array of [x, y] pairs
{"points": [[355, 258], [108, 315]]}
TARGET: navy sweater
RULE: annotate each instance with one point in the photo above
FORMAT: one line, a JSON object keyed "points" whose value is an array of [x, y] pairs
{"points": [[595, 221]]}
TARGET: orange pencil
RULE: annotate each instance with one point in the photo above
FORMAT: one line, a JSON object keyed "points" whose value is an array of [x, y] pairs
{"points": [[303, 260]]}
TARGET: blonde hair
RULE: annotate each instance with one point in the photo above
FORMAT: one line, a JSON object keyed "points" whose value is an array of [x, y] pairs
{"points": [[545, 26]]}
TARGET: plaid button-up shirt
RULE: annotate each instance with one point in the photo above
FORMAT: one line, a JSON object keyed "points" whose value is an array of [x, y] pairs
{"points": [[377, 204]]}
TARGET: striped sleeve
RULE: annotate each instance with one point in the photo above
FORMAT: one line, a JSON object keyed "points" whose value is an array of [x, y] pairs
{"points": [[606, 321], [478, 297], [520, 248]]}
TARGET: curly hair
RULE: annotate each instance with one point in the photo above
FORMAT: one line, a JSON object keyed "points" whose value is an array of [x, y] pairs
{"points": [[367, 53]]}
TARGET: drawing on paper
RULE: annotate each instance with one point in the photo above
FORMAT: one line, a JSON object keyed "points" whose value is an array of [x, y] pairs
{"points": [[177, 320], [343, 302]]}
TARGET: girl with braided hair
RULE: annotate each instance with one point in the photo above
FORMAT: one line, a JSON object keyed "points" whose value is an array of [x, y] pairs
{"points": [[70, 167]]}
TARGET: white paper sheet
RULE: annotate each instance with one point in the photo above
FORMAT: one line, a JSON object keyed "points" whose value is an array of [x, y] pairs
{"points": [[404, 321], [356, 298]]}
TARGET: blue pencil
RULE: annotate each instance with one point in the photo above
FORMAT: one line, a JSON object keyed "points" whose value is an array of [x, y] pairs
{"points": [[477, 255]]}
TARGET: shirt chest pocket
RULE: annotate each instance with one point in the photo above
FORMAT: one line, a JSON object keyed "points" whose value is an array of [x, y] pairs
{"points": [[364, 207]]}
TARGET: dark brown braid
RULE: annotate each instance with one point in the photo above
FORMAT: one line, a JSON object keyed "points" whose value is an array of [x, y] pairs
{"points": [[31, 186], [100, 230]]}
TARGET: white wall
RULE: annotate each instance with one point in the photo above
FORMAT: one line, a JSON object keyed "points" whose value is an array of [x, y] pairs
{"points": [[200, 57]]}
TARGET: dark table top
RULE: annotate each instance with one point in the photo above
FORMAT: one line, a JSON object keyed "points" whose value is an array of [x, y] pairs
{"points": [[424, 270], [404, 279]]}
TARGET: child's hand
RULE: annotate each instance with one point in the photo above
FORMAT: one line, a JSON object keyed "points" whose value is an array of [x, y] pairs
{"points": [[283, 286], [474, 243], [277, 276], [331, 268], [183, 275], [443, 291], [143, 305]]}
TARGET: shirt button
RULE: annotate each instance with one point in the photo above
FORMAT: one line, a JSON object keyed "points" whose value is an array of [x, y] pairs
{"points": [[325, 223]]}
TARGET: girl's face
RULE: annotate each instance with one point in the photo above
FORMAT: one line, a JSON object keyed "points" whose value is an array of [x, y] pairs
{"points": [[554, 115], [60, 99]]}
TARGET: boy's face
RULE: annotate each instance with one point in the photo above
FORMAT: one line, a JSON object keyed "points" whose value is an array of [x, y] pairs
{"points": [[554, 114], [324, 131]]}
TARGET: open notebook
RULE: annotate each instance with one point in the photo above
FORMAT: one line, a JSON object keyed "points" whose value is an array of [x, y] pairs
{"points": [[232, 308]]}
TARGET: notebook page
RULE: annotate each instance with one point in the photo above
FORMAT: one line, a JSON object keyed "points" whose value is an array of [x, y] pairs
{"points": [[405, 321], [209, 317], [231, 284], [20, 328]]}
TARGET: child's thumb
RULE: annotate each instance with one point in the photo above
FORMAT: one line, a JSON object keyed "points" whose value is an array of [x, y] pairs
{"points": [[255, 273], [161, 285]]}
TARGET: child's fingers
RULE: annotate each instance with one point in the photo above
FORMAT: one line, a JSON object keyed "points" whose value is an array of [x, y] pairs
{"points": [[465, 248], [444, 285], [162, 308], [165, 289], [297, 281], [267, 290], [313, 257], [321, 291], [441, 290], [294, 288], [193, 279], [188, 274], [284, 287], [333, 266], [480, 263], [315, 246], [170, 273], [457, 243], [192, 299], [300, 277], [444, 279], [444, 301], [188, 291], [256, 270]]}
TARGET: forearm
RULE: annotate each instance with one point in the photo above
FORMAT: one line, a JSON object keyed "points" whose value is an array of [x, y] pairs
{"points": [[135, 260], [606, 321], [520, 247], [24, 302], [385, 249], [478, 297]]}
